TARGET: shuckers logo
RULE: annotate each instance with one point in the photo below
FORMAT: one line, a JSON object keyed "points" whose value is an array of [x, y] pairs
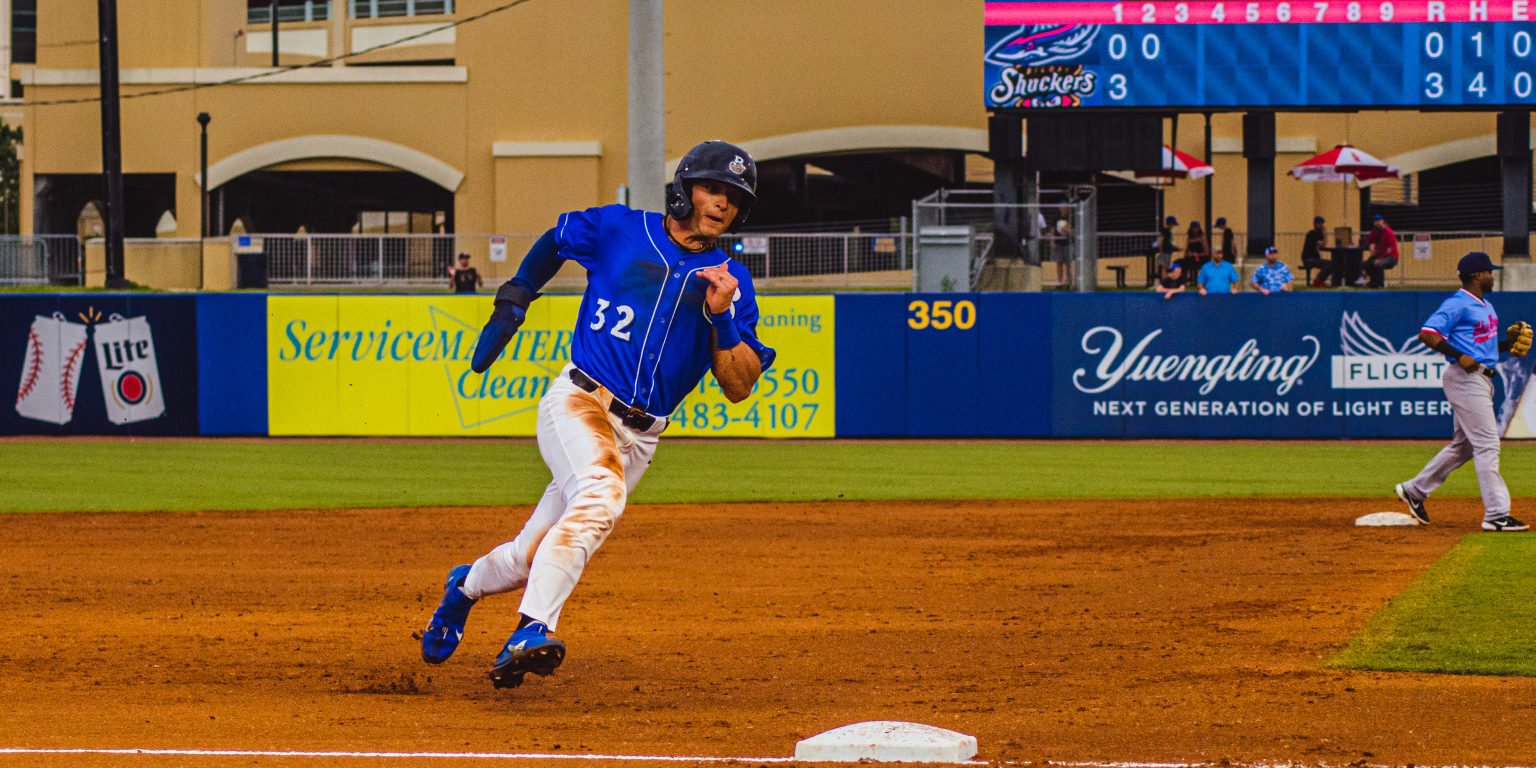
{"points": [[1036, 44], [1025, 79], [55, 355]]}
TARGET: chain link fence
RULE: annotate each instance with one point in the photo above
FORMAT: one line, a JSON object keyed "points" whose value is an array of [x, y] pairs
{"points": [[41, 260]]}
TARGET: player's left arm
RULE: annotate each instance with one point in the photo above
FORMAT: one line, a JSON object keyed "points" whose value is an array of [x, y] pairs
{"points": [[738, 358]]}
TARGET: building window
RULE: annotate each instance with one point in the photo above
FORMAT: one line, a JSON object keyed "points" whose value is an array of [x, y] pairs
{"points": [[378, 9], [24, 31], [1399, 191], [260, 11]]}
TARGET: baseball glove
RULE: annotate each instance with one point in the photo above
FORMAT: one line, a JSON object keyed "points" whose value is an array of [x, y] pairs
{"points": [[1519, 336]]}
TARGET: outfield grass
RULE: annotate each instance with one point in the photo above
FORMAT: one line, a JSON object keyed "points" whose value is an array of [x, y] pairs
{"points": [[148, 474], [1469, 614]]}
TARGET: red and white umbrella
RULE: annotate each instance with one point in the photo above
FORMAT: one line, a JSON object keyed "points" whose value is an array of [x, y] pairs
{"points": [[1178, 165], [1344, 163]]}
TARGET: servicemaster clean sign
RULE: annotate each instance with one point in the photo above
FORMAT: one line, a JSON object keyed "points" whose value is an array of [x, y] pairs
{"points": [[399, 365]]}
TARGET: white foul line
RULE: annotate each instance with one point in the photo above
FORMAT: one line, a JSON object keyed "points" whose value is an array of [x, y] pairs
{"points": [[426, 755]]}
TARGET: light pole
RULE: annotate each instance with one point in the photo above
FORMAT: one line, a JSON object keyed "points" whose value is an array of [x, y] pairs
{"points": [[274, 33], [202, 222], [111, 142], [203, 120]]}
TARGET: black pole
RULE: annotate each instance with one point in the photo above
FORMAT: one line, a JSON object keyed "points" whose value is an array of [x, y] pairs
{"points": [[1259, 149], [203, 119], [1514, 147], [274, 33], [1210, 157], [111, 141]]}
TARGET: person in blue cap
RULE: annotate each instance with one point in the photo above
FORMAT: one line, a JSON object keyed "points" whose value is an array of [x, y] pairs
{"points": [[1466, 330], [1273, 276], [1312, 254]]}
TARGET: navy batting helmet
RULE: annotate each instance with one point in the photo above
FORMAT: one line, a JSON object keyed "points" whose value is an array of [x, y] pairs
{"points": [[718, 160]]}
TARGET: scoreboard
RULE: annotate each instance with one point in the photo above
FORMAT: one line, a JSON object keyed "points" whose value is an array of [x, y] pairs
{"points": [[1377, 54]]}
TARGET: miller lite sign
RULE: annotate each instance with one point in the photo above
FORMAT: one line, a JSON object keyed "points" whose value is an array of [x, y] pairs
{"points": [[130, 377], [50, 372]]}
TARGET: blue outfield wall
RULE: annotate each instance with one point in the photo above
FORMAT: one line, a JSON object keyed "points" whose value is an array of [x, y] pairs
{"points": [[232, 363], [1322, 365], [1315, 364]]}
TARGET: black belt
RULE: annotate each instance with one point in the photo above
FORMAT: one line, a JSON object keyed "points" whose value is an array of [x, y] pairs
{"points": [[634, 417], [1485, 370]]}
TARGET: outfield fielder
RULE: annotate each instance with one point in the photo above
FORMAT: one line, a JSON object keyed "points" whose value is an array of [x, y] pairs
{"points": [[1466, 330], [662, 305]]}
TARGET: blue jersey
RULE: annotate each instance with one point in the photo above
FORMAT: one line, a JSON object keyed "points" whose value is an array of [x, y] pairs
{"points": [[1469, 324], [1272, 278], [1218, 278], [644, 331]]}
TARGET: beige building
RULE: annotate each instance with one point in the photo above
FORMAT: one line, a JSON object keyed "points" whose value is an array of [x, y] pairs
{"points": [[496, 125]]}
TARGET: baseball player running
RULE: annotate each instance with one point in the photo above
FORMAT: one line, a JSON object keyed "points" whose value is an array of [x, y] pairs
{"points": [[1466, 330], [662, 305]]}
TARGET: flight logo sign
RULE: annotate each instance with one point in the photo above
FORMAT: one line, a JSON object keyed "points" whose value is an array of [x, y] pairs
{"points": [[1370, 361], [1031, 70]]}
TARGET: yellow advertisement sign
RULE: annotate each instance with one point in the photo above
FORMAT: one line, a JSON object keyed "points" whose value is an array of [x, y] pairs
{"points": [[399, 365]]}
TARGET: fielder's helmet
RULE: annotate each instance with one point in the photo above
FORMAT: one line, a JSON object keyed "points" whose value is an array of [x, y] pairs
{"points": [[718, 160]]}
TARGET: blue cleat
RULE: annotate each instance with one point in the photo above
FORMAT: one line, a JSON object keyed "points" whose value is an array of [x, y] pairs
{"points": [[447, 626], [530, 649]]}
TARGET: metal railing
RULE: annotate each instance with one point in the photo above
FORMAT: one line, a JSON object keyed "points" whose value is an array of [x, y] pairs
{"points": [[418, 260], [1414, 268], [41, 260], [797, 254], [357, 259]]}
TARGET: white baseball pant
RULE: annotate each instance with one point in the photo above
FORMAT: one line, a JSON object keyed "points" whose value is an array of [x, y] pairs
{"points": [[596, 462]]}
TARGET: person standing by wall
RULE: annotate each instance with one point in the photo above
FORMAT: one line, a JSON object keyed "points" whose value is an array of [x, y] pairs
{"points": [[1197, 252], [1273, 276], [1217, 276], [1165, 247], [466, 279]]}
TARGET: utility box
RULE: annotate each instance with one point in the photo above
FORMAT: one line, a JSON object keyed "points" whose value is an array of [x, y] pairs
{"points": [[943, 259]]}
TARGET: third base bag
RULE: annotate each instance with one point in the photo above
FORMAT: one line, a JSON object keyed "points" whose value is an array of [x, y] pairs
{"points": [[50, 372], [130, 378]]}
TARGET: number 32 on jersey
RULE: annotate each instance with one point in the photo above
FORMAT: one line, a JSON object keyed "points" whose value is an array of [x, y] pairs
{"points": [[941, 315], [620, 327]]}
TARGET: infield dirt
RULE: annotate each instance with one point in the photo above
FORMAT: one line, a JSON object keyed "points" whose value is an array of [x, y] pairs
{"points": [[1177, 630]]}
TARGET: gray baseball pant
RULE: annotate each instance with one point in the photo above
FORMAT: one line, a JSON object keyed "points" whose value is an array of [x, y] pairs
{"points": [[1476, 438]]}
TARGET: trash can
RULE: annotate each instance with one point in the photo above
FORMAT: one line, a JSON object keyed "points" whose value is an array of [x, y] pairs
{"points": [[251, 270]]}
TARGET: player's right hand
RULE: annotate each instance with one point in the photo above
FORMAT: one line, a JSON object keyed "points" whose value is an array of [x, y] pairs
{"points": [[1465, 361], [503, 325]]}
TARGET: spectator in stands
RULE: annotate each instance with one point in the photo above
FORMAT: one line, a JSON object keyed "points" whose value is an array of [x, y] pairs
{"points": [[1228, 246], [1165, 247], [1197, 251], [1273, 276], [1173, 281], [1062, 245], [465, 278], [1218, 276], [1312, 254], [1383, 254]]}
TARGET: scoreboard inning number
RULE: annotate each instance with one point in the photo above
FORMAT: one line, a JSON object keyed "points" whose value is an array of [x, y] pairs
{"points": [[1208, 53]]}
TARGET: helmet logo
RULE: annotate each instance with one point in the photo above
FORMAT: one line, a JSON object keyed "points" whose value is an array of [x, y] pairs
{"points": [[738, 166]]}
